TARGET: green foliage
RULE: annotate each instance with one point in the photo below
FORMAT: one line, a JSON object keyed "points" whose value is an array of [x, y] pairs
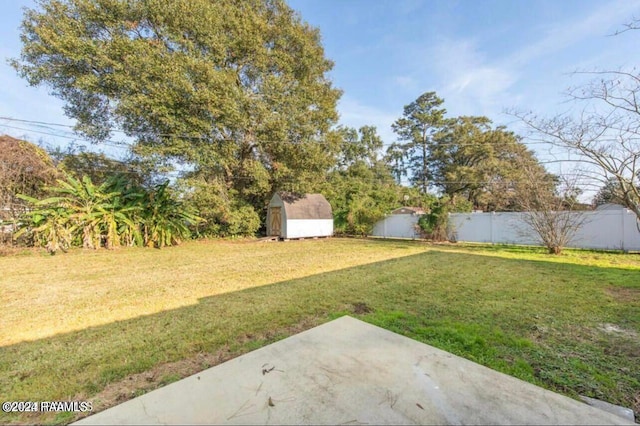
{"points": [[238, 91], [46, 225], [395, 158], [242, 221], [86, 203], [610, 193], [433, 224], [361, 189], [114, 213], [421, 121], [360, 145], [222, 213], [463, 157], [101, 168], [360, 196], [165, 221], [484, 165]]}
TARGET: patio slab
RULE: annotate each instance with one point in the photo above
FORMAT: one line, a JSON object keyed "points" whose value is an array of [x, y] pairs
{"points": [[350, 372]]}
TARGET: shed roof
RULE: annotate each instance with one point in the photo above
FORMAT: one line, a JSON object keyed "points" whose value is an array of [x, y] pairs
{"points": [[306, 206]]}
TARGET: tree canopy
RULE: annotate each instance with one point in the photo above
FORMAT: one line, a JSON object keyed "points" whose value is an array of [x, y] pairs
{"points": [[24, 169], [421, 121], [465, 158], [609, 193], [482, 164], [236, 90], [361, 189]]}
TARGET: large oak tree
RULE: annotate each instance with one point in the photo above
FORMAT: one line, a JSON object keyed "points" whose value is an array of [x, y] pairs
{"points": [[237, 90]]}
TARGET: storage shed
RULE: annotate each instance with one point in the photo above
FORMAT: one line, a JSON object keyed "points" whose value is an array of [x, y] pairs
{"points": [[299, 216]]}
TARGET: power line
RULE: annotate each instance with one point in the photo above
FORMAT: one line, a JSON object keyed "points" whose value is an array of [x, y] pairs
{"points": [[402, 181], [179, 173], [200, 137], [110, 143], [36, 122]]}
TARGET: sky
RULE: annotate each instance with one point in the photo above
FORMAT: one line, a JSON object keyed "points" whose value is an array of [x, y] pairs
{"points": [[483, 57]]}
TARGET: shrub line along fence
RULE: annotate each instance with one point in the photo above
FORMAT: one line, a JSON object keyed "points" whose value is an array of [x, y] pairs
{"points": [[602, 229]]}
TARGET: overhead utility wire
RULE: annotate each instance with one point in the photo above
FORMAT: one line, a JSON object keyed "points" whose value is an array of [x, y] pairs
{"points": [[179, 136], [178, 172], [110, 143]]}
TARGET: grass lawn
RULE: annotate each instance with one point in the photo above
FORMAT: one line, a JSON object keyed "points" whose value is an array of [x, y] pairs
{"points": [[108, 326]]}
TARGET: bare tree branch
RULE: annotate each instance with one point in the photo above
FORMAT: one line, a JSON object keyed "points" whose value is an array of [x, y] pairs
{"points": [[551, 218], [605, 135], [633, 25]]}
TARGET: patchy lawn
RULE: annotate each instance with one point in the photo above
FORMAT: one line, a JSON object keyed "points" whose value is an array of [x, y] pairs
{"points": [[108, 326]]}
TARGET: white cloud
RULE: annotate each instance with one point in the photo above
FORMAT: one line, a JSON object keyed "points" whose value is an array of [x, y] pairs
{"points": [[469, 83], [602, 21], [473, 82], [483, 81]]}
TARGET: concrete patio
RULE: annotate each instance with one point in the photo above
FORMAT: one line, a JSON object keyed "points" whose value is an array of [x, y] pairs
{"points": [[350, 372]]}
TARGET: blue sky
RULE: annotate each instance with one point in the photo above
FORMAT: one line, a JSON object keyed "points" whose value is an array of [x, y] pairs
{"points": [[482, 57]]}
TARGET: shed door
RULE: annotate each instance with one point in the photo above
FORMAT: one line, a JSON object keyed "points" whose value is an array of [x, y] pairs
{"points": [[276, 221]]}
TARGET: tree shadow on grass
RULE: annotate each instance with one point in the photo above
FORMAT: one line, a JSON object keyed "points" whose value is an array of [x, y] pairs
{"points": [[459, 302]]}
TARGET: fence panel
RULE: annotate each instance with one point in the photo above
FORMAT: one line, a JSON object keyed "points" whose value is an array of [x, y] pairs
{"points": [[606, 229], [397, 226]]}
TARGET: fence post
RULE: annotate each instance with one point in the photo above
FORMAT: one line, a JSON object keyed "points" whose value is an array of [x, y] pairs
{"points": [[384, 227], [491, 218], [623, 213]]}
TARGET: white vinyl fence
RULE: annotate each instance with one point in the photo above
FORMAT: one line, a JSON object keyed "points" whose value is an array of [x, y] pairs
{"points": [[397, 226], [604, 229]]}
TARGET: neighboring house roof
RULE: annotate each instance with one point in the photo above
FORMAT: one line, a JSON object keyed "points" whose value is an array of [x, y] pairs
{"points": [[409, 210], [306, 206], [610, 206]]}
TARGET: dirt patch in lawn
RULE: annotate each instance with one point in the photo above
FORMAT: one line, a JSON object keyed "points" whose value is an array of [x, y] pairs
{"points": [[161, 375], [141, 383], [360, 308], [615, 330], [625, 294]]}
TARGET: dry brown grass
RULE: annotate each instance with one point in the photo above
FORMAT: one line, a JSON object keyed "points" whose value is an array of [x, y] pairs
{"points": [[45, 295]]}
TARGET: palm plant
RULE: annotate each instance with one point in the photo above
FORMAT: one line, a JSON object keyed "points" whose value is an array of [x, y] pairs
{"points": [[119, 213], [48, 224], [165, 220], [85, 201], [115, 212]]}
